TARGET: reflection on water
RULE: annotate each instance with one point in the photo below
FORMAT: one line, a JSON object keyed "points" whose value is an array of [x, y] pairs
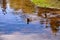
{"points": [[55, 23], [25, 5], [22, 22], [4, 6]]}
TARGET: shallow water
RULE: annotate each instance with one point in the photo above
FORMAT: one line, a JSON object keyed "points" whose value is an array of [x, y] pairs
{"points": [[14, 26]]}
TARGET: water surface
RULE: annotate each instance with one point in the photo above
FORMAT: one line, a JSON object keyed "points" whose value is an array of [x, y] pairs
{"points": [[13, 25]]}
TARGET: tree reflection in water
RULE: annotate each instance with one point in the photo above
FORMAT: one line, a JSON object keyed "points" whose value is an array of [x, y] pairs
{"points": [[55, 23], [53, 17], [28, 7], [4, 3]]}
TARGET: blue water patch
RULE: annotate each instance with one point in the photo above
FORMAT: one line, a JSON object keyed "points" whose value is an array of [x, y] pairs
{"points": [[10, 23]]}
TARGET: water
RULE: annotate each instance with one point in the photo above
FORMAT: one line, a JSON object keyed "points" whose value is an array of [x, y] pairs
{"points": [[14, 27]]}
